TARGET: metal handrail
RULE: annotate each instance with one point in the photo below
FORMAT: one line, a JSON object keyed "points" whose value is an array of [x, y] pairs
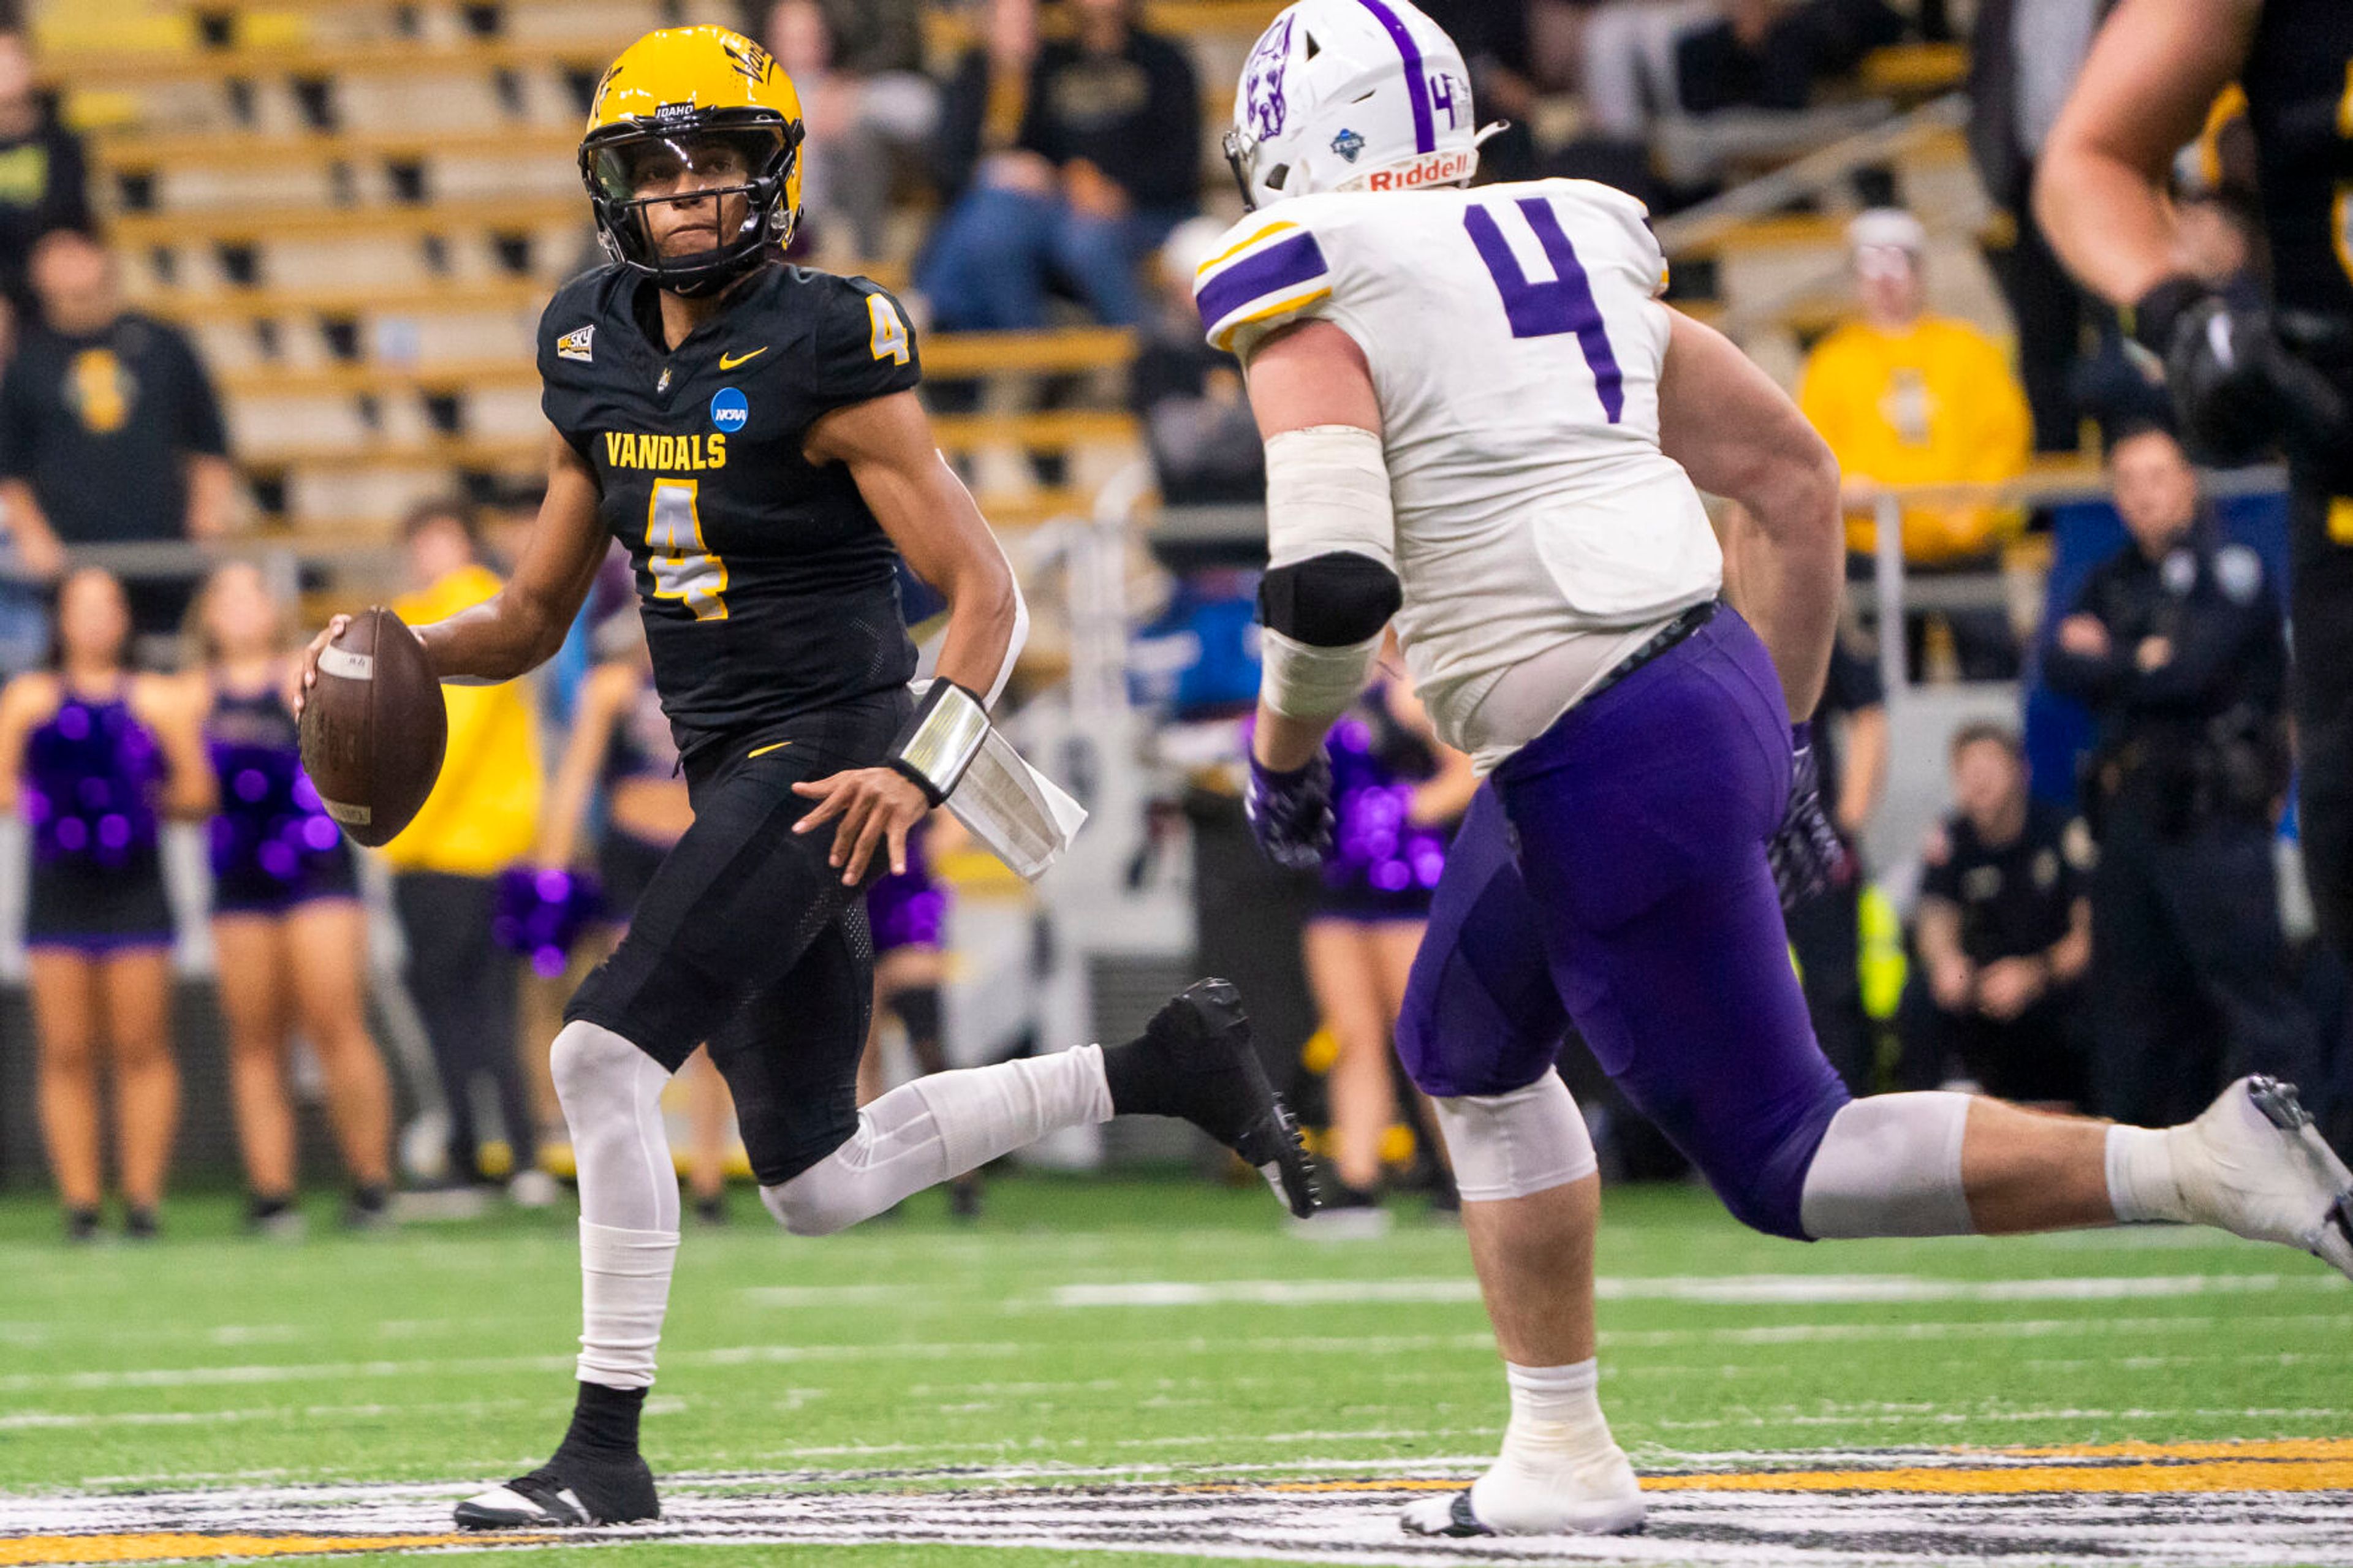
{"points": [[1811, 174]]}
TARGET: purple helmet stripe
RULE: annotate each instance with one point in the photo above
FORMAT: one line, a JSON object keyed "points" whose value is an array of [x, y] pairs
{"points": [[1417, 85], [1293, 262]]}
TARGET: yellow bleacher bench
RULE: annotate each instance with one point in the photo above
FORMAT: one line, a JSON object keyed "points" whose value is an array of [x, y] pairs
{"points": [[372, 221], [132, 152]]}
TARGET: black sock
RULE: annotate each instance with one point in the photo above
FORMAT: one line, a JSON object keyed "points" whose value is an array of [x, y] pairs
{"points": [[1134, 1074], [604, 1422]]}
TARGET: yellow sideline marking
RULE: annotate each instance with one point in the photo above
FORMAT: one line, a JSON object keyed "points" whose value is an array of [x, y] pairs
{"points": [[2282, 1448], [161, 1546], [2297, 1464]]}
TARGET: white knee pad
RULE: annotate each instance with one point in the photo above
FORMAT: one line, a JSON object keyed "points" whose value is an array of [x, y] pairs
{"points": [[896, 1151], [1890, 1165], [588, 1061], [1510, 1145], [611, 1093]]}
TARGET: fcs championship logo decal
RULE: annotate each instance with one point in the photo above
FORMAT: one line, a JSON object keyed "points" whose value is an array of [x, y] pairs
{"points": [[1262, 99], [1348, 145], [580, 344]]}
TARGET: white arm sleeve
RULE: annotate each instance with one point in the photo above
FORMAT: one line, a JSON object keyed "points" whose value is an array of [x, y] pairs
{"points": [[1327, 489], [1327, 492]]}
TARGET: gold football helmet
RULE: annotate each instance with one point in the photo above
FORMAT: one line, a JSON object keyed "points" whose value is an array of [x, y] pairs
{"points": [[690, 114]]}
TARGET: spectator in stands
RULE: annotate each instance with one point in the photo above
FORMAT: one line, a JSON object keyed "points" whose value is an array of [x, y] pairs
{"points": [[2175, 645], [1629, 63], [1905, 397], [109, 431], [1495, 37], [2023, 57], [1850, 731], [481, 817], [1768, 54], [92, 757], [865, 101], [2004, 932], [1105, 163], [983, 104], [289, 934], [1204, 443], [44, 180]]}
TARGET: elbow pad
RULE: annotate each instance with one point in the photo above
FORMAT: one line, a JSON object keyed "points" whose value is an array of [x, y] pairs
{"points": [[1331, 586], [1329, 600]]}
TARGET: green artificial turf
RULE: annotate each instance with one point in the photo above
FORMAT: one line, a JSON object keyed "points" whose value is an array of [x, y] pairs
{"points": [[916, 1352]]}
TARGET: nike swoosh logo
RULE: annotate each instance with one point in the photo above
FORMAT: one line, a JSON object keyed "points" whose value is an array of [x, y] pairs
{"points": [[729, 361], [764, 751]]}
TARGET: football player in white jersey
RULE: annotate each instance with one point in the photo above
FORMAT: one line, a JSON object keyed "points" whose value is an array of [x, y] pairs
{"points": [[1482, 422]]}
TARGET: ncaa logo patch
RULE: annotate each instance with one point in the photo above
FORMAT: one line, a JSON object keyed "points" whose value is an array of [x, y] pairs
{"points": [[729, 409], [1348, 145]]}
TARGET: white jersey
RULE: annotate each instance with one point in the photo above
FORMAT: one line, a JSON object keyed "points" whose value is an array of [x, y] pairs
{"points": [[1516, 341]]}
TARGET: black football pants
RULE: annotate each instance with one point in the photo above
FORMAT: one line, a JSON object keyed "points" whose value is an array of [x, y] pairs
{"points": [[746, 938]]}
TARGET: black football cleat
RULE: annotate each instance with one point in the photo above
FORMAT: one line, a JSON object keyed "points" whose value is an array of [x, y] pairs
{"points": [[566, 1493], [1196, 1060]]}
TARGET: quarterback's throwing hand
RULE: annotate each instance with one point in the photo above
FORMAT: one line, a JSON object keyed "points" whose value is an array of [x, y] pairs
{"points": [[1807, 853], [873, 806], [309, 673], [1290, 814]]}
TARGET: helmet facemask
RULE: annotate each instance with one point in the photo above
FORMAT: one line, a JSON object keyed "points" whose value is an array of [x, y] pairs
{"points": [[633, 168]]}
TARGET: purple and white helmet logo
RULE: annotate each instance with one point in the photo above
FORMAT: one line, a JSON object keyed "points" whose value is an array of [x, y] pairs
{"points": [[1263, 104]]}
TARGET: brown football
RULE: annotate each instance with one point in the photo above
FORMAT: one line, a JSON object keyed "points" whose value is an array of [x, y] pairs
{"points": [[374, 727]]}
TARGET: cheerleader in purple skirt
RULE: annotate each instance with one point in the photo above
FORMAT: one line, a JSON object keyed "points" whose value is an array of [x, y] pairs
{"points": [[93, 756], [1396, 794], [290, 935]]}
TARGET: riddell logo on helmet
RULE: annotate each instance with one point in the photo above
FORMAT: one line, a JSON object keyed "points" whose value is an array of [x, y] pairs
{"points": [[1430, 169]]}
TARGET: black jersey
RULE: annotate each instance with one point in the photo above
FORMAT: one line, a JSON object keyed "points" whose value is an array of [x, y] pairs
{"points": [[2300, 107], [767, 586], [2015, 899]]}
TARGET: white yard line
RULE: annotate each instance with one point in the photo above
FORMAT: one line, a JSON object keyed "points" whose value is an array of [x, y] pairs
{"points": [[1750, 1289]]}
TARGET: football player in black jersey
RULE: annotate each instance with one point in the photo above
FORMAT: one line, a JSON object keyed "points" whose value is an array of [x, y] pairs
{"points": [[749, 430], [2242, 379]]}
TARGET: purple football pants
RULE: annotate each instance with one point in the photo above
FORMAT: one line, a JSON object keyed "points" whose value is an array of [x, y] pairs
{"points": [[1612, 875]]}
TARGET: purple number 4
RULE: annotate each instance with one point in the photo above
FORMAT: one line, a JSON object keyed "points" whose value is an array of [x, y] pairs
{"points": [[1548, 307]]}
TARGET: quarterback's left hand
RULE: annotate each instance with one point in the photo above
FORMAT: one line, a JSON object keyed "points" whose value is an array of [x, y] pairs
{"points": [[1807, 853], [876, 806]]}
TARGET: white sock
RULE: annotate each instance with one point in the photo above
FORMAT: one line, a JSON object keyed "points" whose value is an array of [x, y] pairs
{"points": [[2142, 1186], [922, 1134], [611, 1092], [1559, 1469], [1556, 1412], [624, 1291]]}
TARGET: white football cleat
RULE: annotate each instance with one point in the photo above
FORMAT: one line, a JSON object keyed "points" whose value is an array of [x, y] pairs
{"points": [[2255, 1165], [1599, 1497]]}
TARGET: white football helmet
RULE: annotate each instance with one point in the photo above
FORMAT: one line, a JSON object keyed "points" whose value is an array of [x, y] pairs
{"points": [[1343, 95]]}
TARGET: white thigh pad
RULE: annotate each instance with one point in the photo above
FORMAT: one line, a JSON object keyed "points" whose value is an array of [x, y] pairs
{"points": [[1889, 1164], [1512, 1145]]}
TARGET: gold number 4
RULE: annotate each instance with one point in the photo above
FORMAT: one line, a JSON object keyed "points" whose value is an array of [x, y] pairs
{"points": [[890, 340], [681, 568]]}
